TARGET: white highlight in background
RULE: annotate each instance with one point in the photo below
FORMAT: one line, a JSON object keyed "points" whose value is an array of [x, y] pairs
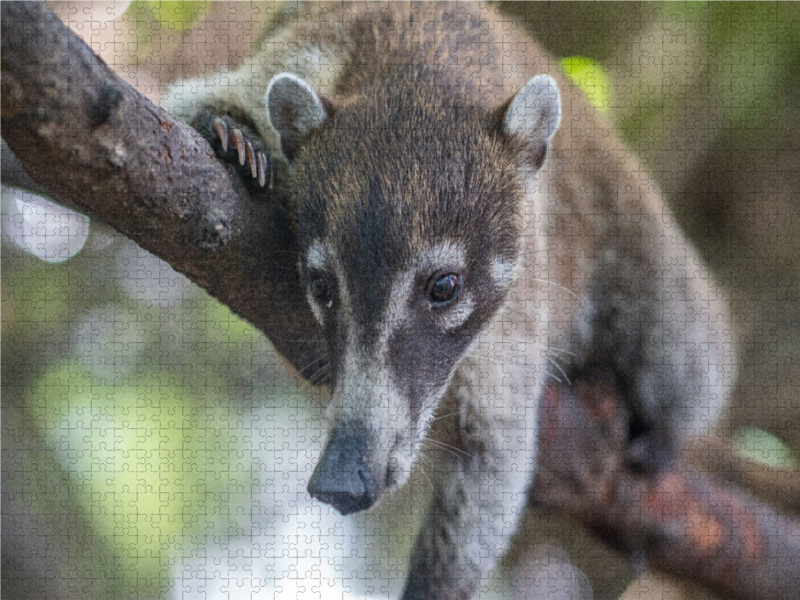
{"points": [[41, 227]]}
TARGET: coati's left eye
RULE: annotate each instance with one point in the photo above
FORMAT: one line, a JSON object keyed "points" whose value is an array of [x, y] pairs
{"points": [[321, 290], [445, 288]]}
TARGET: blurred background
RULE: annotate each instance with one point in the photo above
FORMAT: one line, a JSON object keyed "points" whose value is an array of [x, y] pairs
{"points": [[153, 443]]}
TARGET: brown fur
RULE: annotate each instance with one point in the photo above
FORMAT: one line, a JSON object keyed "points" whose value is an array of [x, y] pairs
{"points": [[604, 276]]}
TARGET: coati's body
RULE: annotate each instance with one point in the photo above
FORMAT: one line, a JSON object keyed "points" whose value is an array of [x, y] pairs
{"points": [[413, 166]]}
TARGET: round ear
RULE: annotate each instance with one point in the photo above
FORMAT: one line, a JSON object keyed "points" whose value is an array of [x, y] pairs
{"points": [[533, 116], [294, 110]]}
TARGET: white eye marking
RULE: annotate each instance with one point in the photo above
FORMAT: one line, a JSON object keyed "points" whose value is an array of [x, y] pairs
{"points": [[315, 309], [448, 255], [319, 256], [455, 316], [445, 254], [502, 272], [451, 255], [369, 382]]}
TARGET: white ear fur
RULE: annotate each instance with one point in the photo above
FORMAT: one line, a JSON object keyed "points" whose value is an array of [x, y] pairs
{"points": [[534, 116], [294, 110]]}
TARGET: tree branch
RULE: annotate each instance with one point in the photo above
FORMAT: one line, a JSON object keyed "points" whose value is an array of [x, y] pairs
{"points": [[715, 455], [15, 176], [714, 534], [90, 140]]}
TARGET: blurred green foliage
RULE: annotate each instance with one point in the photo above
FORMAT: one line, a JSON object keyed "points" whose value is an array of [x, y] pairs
{"points": [[592, 79], [763, 447], [138, 405], [740, 55], [175, 15]]}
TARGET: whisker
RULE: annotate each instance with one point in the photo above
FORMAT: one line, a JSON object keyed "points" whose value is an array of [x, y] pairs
{"points": [[557, 366], [435, 492], [294, 340], [536, 251], [320, 374], [445, 416], [474, 352], [554, 284], [561, 351], [452, 449], [445, 449], [549, 374], [312, 363], [430, 483], [318, 380], [307, 384]]}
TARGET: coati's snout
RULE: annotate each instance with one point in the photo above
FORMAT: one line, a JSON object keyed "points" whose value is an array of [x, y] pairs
{"points": [[343, 477], [408, 221]]}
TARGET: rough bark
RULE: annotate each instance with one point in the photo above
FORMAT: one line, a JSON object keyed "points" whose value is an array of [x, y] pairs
{"points": [[91, 141]]}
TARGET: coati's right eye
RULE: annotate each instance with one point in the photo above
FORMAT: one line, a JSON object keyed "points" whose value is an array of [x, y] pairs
{"points": [[321, 290], [445, 288]]}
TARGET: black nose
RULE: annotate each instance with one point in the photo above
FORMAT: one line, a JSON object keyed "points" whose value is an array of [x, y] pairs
{"points": [[342, 478]]}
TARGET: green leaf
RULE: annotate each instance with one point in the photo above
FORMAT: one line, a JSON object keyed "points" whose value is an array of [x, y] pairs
{"points": [[179, 16], [760, 446], [591, 77]]}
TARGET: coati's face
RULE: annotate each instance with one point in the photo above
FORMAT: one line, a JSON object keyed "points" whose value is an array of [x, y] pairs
{"points": [[408, 223]]}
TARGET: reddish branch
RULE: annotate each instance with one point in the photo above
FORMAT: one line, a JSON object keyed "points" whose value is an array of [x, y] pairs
{"points": [[92, 141], [780, 487], [708, 532]]}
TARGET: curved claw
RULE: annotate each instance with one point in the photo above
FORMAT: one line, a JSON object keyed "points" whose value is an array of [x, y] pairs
{"points": [[242, 145], [221, 130], [251, 159], [271, 173], [262, 169], [237, 140]]}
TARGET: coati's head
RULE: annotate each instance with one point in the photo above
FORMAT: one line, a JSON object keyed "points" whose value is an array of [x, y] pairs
{"points": [[409, 210]]}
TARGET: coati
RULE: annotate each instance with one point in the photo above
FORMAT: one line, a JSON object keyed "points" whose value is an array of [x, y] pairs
{"points": [[468, 227]]}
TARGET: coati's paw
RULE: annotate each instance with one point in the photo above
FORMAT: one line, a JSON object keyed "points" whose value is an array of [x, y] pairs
{"points": [[238, 145]]}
